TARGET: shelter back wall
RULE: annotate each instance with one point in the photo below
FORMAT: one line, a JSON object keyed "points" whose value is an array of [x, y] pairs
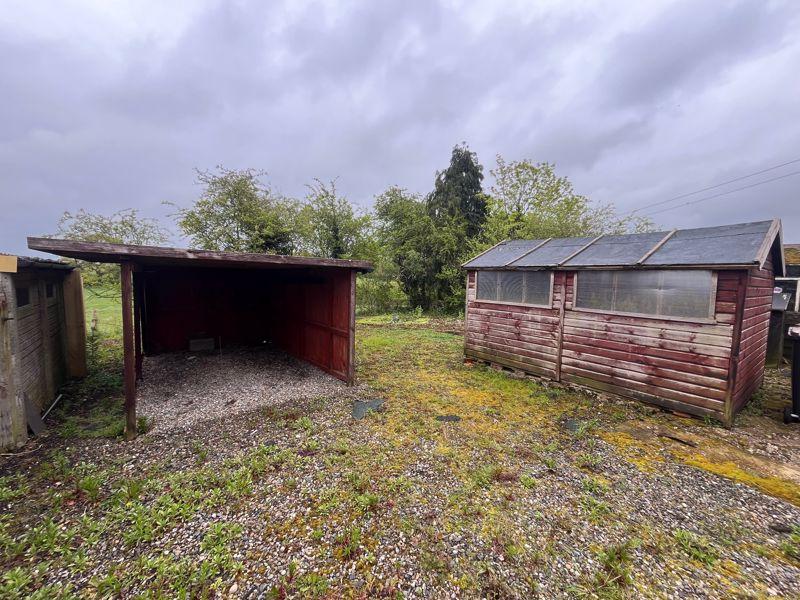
{"points": [[303, 311]]}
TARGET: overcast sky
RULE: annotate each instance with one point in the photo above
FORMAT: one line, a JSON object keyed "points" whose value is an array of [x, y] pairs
{"points": [[107, 107]]}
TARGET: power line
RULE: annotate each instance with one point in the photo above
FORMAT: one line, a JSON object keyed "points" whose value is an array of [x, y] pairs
{"points": [[712, 187], [744, 187]]}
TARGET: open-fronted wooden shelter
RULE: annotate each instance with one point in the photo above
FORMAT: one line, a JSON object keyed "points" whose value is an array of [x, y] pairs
{"points": [[676, 318], [175, 299]]}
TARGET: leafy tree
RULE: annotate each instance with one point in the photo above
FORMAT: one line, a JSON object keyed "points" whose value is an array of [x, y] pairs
{"points": [[237, 212], [457, 199], [529, 200], [122, 227], [407, 231], [329, 226]]}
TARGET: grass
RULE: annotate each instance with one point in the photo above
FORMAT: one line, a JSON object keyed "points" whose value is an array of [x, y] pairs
{"points": [[697, 547], [507, 481], [104, 305]]}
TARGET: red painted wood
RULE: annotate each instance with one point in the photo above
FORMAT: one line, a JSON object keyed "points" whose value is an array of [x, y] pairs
{"points": [[678, 361], [752, 351], [129, 351], [305, 312]]}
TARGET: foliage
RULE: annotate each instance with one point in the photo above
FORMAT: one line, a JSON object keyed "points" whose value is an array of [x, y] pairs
{"points": [[616, 567], [457, 200], [407, 230], [238, 212], [530, 201], [122, 227], [696, 547], [328, 225], [791, 546]]}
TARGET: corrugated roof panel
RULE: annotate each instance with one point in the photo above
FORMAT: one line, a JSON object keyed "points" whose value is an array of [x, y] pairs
{"points": [[725, 245], [552, 253], [729, 245], [503, 253], [615, 250]]}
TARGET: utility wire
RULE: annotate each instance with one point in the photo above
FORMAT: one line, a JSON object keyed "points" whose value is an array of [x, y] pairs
{"points": [[712, 187], [744, 187]]}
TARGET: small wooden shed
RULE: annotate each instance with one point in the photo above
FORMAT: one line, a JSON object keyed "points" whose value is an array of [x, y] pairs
{"points": [[675, 318], [173, 298], [42, 338]]}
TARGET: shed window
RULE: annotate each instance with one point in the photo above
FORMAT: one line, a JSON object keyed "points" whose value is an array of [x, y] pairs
{"points": [[516, 287], [23, 297], [661, 293]]}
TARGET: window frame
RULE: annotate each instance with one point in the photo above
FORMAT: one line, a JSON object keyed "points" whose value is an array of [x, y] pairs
{"points": [[712, 305], [549, 298]]}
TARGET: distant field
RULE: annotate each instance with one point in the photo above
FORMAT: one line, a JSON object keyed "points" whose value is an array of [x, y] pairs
{"points": [[105, 305]]}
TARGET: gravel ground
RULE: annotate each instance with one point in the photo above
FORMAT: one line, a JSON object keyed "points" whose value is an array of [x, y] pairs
{"points": [[521, 498], [183, 389]]}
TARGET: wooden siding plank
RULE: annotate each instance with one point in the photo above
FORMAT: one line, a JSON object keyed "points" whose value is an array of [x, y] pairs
{"points": [[692, 368], [625, 383], [576, 334], [662, 332]]}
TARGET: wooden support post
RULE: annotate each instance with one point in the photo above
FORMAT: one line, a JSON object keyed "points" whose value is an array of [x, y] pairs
{"points": [[137, 322], [129, 376], [351, 343], [47, 346], [75, 324]]}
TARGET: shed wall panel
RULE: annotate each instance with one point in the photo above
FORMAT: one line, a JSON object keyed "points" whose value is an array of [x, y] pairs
{"points": [[681, 364], [306, 312], [755, 330]]}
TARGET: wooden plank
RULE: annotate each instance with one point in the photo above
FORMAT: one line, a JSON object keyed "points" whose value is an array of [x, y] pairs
{"points": [[351, 352], [632, 347], [509, 362], [691, 368], [536, 344], [129, 357], [622, 383], [137, 323], [507, 311], [46, 352], [529, 351], [678, 375], [13, 427], [663, 332], [75, 324], [672, 404], [8, 263], [576, 334], [621, 371], [655, 322], [119, 253]]}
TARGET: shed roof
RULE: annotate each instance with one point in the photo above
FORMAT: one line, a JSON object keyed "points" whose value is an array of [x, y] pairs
{"points": [[728, 246], [158, 255]]}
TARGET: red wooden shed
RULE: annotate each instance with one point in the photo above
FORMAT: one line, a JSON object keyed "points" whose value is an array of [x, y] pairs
{"points": [[173, 298], [675, 318]]}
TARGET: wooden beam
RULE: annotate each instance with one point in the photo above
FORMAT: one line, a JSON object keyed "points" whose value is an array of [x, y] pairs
{"points": [[536, 247], [137, 322], [581, 249], [8, 263], [13, 426], [47, 343], [75, 324], [655, 248], [119, 253], [129, 357]]}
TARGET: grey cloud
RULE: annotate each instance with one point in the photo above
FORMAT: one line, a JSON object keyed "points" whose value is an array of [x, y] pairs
{"points": [[688, 45], [377, 93]]}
